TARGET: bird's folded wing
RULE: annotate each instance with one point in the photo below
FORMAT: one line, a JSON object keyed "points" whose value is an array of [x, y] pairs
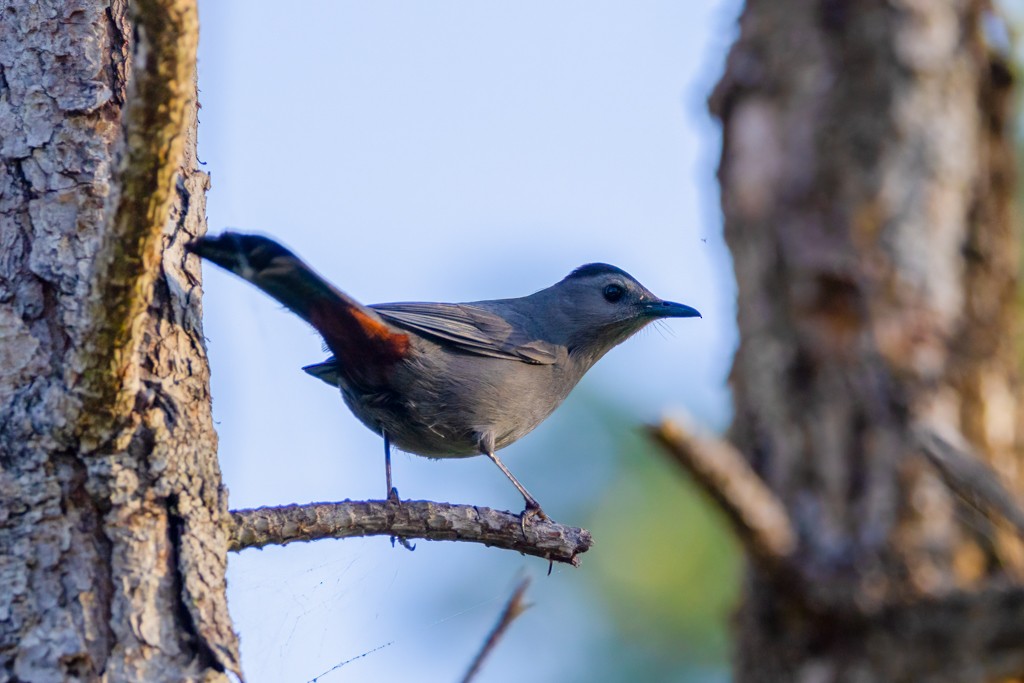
{"points": [[469, 329]]}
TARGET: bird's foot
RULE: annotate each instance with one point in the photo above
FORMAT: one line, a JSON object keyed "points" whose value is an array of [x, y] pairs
{"points": [[404, 542], [531, 510], [393, 499]]}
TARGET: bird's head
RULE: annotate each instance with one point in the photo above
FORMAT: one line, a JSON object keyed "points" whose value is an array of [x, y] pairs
{"points": [[603, 305]]}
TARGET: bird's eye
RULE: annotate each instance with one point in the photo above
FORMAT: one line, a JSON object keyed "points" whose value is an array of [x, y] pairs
{"points": [[613, 293]]}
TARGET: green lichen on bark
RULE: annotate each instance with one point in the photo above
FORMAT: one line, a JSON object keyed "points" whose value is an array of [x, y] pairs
{"points": [[161, 91]]}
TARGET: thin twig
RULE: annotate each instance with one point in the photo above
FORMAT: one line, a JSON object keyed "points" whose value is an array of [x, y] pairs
{"points": [[513, 608], [759, 517], [971, 477], [410, 519]]}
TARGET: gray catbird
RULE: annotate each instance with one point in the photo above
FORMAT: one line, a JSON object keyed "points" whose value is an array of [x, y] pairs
{"points": [[452, 380]]}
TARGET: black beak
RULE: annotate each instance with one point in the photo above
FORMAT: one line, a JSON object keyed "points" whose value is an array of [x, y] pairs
{"points": [[668, 309]]}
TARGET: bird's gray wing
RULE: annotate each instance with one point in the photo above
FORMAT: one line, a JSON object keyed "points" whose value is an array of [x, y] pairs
{"points": [[469, 329]]}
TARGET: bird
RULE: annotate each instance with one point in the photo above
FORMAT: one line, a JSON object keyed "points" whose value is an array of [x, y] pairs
{"points": [[451, 380]]}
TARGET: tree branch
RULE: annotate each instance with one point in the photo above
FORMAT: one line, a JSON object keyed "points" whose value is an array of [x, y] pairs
{"points": [[513, 608], [756, 513], [970, 477], [409, 519]]}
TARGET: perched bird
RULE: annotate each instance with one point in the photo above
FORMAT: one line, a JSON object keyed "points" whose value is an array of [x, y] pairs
{"points": [[452, 380]]}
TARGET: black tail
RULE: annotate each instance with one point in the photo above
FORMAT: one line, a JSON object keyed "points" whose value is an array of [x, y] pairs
{"points": [[272, 268], [364, 344]]}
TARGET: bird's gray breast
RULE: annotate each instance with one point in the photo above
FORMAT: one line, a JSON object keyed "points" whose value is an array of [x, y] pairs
{"points": [[443, 401]]}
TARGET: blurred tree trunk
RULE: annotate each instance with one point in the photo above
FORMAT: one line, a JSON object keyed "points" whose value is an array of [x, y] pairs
{"points": [[112, 549], [867, 178]]}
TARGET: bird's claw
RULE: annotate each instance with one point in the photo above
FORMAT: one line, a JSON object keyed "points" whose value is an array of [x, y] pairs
{"points": [[393, 499], [404, 542], [532, 510]]}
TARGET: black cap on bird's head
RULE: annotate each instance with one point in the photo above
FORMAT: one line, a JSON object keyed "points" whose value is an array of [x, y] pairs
{"points": [[619, 288], [604, 305]]}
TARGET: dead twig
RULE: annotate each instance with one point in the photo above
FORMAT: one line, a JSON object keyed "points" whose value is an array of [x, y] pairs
{"points": [[756, 513], [513, 608], [411, 519], [970, 477]]}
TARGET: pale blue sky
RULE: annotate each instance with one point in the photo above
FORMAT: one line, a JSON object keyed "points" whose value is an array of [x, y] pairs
{"points": [[447, 151]]}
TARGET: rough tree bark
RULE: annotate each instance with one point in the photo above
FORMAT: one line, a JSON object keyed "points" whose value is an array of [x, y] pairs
{"points": [[866, 182], [112, 537]]}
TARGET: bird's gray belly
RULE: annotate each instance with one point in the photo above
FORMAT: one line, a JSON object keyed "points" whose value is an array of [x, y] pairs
{"points": [[412, 425], [447, 406]]}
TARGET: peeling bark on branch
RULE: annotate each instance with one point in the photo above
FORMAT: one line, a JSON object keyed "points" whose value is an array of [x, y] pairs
{"points": [[411, 519]]}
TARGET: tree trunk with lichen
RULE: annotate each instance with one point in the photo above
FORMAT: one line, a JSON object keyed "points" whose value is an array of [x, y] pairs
{"points": [[112, 540], [867, 181]]}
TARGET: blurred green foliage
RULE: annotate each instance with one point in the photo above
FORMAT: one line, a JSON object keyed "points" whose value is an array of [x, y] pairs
{"points": [[666, 567]]}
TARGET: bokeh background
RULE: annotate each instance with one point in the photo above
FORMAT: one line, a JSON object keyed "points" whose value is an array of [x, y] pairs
{"points": [[453, 151]]}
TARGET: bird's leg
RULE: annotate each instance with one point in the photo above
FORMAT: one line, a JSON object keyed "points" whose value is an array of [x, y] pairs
{"points": [[392, 491], [532, 506]]}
